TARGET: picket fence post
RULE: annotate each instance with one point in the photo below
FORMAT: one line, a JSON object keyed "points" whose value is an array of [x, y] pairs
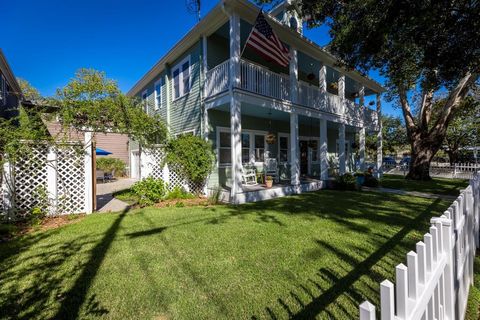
{"points": [[52, 186]]}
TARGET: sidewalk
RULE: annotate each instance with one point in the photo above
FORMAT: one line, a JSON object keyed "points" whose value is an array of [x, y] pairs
{"points": [[411, 193], [105, 200]]}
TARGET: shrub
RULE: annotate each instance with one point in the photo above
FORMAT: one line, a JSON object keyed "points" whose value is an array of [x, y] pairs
{"points": [[370, 180], [178, 193], [149, 191], [345, 182], [191, 156], [113, 165]]}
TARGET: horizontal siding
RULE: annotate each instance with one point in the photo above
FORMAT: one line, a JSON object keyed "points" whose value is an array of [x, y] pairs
{"points": [[115, 143]]}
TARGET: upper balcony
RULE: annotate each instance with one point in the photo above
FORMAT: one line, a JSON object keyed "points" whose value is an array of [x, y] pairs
{"points": [[258, 79]]}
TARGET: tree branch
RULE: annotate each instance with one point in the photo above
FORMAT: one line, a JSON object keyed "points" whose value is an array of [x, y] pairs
{"points": [[407, 112], [426, 109]]}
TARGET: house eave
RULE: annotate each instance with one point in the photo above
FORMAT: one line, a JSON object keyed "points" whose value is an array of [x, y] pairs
{"points": [[8, 73]]}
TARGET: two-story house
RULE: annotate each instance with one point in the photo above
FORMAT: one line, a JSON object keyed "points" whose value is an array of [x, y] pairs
{"points": [[305, 115], [10, 92]]}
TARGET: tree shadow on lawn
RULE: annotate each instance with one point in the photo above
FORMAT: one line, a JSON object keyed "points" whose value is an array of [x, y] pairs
{"points": [[50, 270], [332, 283]]}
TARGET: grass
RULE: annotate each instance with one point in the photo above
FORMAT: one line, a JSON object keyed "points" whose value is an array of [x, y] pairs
{"points": [[436, 185], [473, 306], [313, 255]]}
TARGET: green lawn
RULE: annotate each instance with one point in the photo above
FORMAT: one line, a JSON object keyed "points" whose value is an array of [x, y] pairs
{"points": [[318, 254], [436, 185]]}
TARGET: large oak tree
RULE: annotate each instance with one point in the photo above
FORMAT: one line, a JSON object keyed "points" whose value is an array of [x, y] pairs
{"points": [[424, 48]]}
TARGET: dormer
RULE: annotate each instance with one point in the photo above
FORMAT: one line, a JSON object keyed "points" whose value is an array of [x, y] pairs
{"points": [[287, 13]]}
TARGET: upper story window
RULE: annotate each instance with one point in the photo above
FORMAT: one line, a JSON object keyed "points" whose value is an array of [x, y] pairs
{"points": [[159, 93], [181, 78], [3, 90], [145, 100]]}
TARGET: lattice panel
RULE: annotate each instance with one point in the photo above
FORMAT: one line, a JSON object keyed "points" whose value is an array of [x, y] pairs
{"points": [[30, 181], [155, 161], [70, 179]]}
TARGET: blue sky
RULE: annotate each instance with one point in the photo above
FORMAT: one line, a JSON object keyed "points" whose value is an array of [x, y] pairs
{"points": [[47, 41]]}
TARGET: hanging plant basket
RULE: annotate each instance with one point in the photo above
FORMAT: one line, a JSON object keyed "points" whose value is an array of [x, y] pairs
{"points": [[333, 85], [271, 138]]}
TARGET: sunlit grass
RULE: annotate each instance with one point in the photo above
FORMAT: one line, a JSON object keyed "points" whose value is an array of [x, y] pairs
{"points": [[442, 186], [318, 254]]}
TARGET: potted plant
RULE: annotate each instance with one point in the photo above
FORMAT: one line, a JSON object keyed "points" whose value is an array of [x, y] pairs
{"points": [[271, 138], [269, 181]]}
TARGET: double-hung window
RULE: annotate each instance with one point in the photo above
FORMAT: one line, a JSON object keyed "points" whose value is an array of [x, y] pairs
{"points": [[259, 148], [158, 93], [245, 147], [224, 148], [283, 150], [145, 100], [181, 78]]}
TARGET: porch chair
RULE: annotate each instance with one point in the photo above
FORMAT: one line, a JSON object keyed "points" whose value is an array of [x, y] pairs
{"points": [[270, 168], [249, 176]]}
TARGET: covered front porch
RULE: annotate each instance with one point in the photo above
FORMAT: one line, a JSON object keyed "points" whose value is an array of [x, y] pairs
{"points": [[307, 150]]}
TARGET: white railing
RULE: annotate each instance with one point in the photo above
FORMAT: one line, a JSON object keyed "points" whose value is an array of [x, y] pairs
{"points": [[217, 79], [259, 80], [311, 96], [436, 280], [353, 110], [370, 116]]}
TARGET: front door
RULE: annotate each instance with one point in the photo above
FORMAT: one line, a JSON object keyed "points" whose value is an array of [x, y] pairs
{"points": [[303, 157]]}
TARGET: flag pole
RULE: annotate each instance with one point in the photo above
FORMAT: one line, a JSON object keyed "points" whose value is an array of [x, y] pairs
{"points": [[246, 41]]}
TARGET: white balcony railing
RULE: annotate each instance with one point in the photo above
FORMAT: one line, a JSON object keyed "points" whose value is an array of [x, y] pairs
{"points": [[257, 79], [217, 79]]}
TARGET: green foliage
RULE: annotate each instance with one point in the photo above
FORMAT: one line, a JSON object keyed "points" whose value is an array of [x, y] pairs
{"points": [[178, 193], [91, 100], [149, 191], [192, 156], [28, 91], [370, 180], [345, 182], [109, 164], [394, 136]]}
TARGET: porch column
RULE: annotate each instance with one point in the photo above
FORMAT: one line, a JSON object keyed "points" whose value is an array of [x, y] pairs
{"points": [[323, 150], [235, 108], [322, 83], [379, 138], [362, 129], [341, 92], [293, 75], [294, 146], [206, 125], [341, 148]]}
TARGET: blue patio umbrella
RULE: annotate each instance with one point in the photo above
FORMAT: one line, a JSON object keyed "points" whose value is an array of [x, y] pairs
{"points": [[101, 152]]}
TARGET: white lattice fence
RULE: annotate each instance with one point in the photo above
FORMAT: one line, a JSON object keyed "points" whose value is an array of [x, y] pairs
{"points": [[151, 164], [52, 179]]}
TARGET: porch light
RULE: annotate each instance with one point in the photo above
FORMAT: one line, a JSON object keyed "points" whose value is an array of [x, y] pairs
{"points": [[371, 103]]}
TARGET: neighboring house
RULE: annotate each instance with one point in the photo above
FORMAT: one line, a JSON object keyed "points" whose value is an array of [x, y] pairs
{"points": [[115, 143], [207, 86], [10, 92]]}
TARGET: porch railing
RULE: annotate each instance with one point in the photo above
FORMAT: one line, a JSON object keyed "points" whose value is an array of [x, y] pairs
{"points": [[217, 79], [259, 80]]}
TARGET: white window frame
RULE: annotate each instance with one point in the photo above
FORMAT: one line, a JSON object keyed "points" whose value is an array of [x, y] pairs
{"points": [[160, 82], [347, 148], [192, 131], [180, 78], [145, 100], [284, 135], [252, 134]]}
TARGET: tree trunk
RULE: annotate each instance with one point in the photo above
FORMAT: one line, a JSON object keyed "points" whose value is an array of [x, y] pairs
{"points": [[452, 156], [424, 148]]}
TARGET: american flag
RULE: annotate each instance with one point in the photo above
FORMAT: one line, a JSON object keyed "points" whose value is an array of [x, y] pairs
{"points": [[263, 40]]}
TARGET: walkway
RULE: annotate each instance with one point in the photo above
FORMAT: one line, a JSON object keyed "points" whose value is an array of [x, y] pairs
{"points": [[411, 193], [105, 200]]}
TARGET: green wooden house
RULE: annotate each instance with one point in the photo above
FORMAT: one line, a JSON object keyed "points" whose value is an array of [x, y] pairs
{"points": [[305, 119]]}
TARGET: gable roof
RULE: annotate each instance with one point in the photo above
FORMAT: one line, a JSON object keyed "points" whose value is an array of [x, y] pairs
{"points": [[8, 74], [248, 12]]}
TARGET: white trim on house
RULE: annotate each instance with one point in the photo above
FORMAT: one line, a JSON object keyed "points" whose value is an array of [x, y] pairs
{"points": [[192, 131], [160, 83], [181, 88]]}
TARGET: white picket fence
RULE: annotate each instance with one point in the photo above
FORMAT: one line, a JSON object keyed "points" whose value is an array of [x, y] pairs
{"points": [[441, 170], [436, 280]]}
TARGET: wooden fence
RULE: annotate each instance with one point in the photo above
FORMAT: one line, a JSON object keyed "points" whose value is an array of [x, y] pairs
{"points": [[436, 280]]}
